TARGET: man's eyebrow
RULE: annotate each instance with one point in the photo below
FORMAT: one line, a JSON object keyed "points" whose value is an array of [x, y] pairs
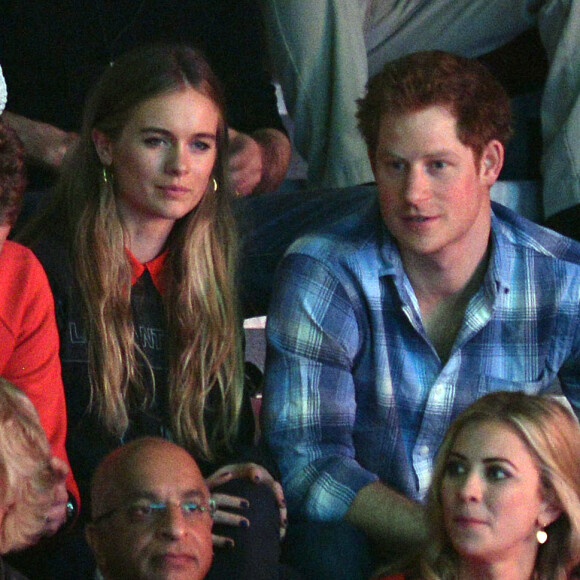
{"points": [[442, 153], [387, 151], [431, 154], [141, 494], [188, 494], [198, 494]]}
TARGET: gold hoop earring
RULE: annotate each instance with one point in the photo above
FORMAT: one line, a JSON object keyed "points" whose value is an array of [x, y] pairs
{"points": [[106, 185], [214, 184]]}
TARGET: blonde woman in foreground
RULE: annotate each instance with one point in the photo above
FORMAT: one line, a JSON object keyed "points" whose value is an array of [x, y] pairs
{"points": [[504, 502]]}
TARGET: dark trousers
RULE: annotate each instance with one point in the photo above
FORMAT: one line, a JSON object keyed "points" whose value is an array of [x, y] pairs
{"points": [[328, 551]]}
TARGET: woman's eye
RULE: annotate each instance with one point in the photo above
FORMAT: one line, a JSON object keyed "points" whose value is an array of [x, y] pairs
{"points": [[200, 146], [454, 468], [496, 473]]}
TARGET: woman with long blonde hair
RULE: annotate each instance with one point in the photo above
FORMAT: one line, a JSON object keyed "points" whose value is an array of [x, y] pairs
{"points": [[140, 250]]}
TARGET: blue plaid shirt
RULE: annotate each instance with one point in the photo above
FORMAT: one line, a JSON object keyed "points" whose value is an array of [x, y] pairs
{"points": [[355, 390]]}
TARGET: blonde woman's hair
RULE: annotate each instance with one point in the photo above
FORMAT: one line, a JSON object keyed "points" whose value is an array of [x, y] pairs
{"points": [[552, 436], [26, 475], [205, 353]]}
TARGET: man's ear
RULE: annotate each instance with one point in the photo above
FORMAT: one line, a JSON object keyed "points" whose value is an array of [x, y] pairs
{"points": [[93, 538], [103, 147], [491, 162]]}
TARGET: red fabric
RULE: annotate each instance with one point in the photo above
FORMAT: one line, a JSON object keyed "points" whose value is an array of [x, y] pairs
{"points": [[29, 344], [153, 266], [395, 577]]}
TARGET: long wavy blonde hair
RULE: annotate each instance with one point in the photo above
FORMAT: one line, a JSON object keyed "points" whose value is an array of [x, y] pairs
{"points": [[552, 436], [205, 353]]}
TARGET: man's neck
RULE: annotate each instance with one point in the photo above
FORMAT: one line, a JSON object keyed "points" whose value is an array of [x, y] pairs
{"points": [[443, 290]]}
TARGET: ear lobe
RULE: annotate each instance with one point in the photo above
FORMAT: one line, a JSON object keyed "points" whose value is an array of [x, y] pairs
{"points": [[491, 162], [549, 512], [103, 147]]}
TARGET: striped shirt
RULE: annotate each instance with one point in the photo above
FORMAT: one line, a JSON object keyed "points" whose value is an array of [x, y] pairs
{"points": [[355, 390]]}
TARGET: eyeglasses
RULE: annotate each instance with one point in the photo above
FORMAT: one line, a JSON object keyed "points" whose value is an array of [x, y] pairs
{"points": [[146, 511]]}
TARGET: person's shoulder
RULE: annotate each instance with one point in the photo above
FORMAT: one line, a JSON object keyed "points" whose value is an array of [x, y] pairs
{"points": [[12, 250], [23, 284], [348, 237], [18, 260], [534, 240]]}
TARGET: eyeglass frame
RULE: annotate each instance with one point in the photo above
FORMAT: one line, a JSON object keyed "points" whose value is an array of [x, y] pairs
{"points": [[159, 507]]}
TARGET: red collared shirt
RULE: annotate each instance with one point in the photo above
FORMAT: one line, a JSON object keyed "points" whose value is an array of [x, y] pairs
{"points": [[154, 268]]}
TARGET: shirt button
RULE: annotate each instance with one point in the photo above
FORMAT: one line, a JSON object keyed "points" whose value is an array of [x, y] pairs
{"points": [[424, 450]]}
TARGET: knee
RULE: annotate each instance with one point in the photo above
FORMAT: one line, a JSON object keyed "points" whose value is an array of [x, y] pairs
{"points": [[256, 551]]}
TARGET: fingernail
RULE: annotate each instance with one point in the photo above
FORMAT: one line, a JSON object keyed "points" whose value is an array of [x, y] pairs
{"points": [[226, 474], [244, 504], [285, 523], [256, 478], [244, 524], [230, 545]]}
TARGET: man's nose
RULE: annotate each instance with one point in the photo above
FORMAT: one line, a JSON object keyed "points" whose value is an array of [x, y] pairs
{"points": [[417, 186], [173, 523]]}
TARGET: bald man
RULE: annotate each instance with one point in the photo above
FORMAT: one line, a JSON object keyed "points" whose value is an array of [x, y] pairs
{"points": [[151, 514]]}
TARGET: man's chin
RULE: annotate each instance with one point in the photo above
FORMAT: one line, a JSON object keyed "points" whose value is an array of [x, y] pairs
{"points": [[174, 567]]}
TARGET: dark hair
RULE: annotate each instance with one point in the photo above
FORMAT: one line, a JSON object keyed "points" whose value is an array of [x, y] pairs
{"points": [[12, 174], [435, 78]]}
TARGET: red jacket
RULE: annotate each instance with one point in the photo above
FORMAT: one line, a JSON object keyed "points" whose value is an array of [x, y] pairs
{"points": [[29, 343]]}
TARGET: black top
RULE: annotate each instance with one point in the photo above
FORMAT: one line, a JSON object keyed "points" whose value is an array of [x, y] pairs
{"points": [[87, 439]]}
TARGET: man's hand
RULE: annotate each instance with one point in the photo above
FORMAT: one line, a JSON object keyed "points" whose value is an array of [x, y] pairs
{"points": [[44, 145], [258, 162], [245, 162]]}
